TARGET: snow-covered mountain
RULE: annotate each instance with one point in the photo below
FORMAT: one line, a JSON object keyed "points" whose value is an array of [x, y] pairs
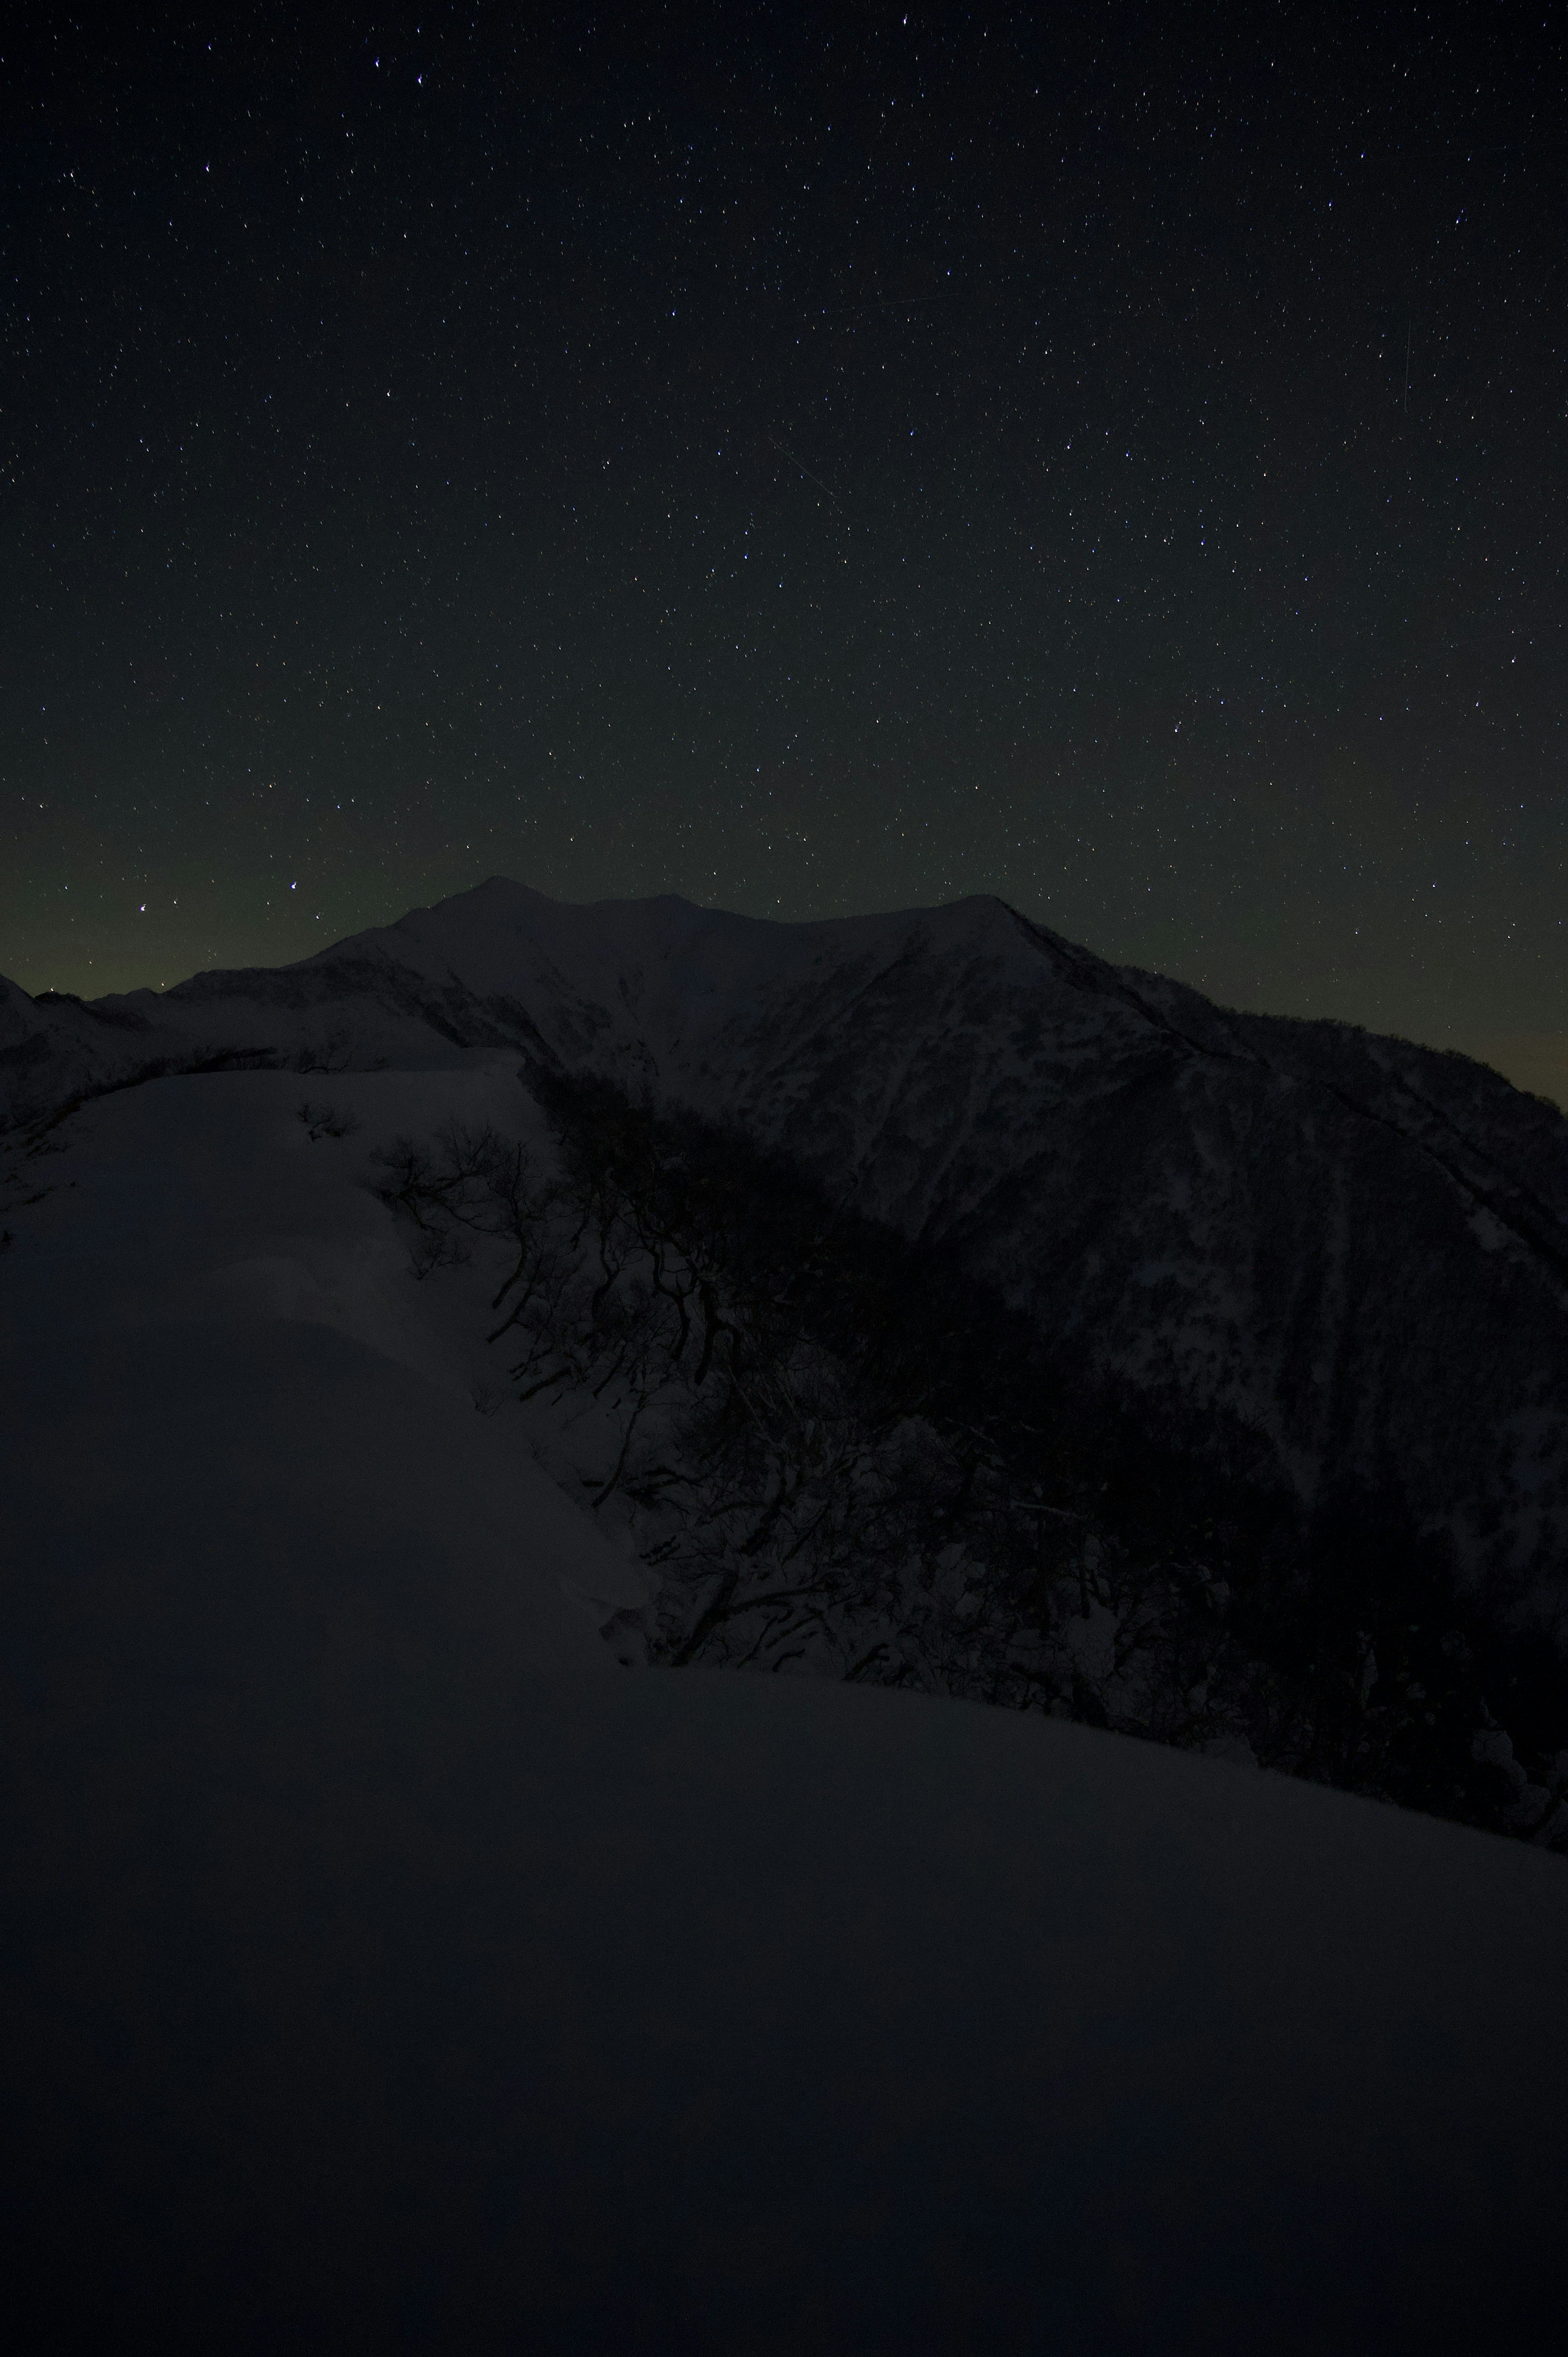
{"points": [[1355, 1247], [387, 1971]]}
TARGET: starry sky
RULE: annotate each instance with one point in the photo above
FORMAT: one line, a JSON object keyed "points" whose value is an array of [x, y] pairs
{"points": [[809, 460]]}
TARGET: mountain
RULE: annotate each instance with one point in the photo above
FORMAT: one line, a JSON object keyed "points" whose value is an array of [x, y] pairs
{"points": [[1350, 1251]]}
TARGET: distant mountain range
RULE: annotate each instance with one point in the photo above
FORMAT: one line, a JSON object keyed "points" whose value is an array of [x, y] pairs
{"points": [[1350, 1248]]}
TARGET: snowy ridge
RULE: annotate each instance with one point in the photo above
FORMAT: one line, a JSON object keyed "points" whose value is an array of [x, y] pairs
{"points": [[387, 1969]]}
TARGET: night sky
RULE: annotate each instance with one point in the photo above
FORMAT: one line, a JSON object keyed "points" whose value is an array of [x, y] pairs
{"points": [[812, 462]]}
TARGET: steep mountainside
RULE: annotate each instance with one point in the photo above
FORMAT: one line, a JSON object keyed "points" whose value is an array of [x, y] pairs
{"points": [[1353, 1247]]}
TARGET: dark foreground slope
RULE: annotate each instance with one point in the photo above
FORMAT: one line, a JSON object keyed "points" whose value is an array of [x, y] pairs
{"points": [[1353, 1250], [386, 1971]]}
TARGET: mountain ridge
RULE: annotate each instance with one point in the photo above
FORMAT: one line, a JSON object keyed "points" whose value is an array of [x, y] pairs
{"points": [[1341, 1242]]}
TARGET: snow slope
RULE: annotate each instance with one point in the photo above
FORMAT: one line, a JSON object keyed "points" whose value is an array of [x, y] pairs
{"points": [[1354, 1247], [387, 1970]]}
